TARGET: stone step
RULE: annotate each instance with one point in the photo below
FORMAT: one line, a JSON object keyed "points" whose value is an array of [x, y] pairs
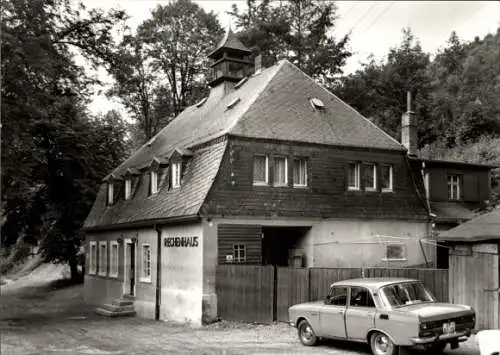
{"points": [[108, 313], [116, 308], [122, 302]]}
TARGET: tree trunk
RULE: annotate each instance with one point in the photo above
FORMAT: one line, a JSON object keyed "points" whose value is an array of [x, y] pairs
{"points": [[73, 267]]}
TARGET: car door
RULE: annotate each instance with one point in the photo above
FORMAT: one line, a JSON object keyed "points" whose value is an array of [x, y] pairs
{"points": [[332, 313], [360, 313]]}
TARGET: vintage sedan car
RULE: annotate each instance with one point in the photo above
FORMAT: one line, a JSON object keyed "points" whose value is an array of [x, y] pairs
{"points": [[387, 313]]}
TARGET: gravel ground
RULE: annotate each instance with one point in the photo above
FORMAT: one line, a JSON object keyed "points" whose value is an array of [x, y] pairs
{"points": [[41, 320]]}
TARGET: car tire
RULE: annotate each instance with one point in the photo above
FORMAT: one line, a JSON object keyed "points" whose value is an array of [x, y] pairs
{"points": [[306, 334], [381, 344]]}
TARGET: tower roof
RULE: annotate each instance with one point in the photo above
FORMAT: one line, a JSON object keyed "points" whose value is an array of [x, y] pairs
{"points": [[229, 42]]}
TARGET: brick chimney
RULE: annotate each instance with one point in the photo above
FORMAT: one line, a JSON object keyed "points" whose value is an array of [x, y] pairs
{"points": [[409, 128]]}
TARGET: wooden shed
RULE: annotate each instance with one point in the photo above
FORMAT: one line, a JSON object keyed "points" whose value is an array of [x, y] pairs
{"points": [[474, 267]]}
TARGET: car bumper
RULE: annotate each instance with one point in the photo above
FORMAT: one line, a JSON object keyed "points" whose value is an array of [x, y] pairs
{"points": [[458, 336]]}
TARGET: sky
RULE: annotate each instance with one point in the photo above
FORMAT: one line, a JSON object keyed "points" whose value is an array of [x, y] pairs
{"points": [[375, 26]]}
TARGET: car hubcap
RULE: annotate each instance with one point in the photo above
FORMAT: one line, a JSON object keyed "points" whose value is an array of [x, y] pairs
{"points": [[306, 332], [382, 344]]}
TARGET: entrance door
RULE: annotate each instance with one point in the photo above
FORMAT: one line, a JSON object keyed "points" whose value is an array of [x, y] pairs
{"points": [[129, 268]]}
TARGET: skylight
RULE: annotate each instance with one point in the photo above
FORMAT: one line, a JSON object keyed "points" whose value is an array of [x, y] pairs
{"points": [[233, 103], [317, 103], [241, 82], [201, 102]]}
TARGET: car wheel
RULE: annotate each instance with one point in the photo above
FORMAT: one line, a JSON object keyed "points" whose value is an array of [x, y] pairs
{"points": [[381, 344], [306, 334]]}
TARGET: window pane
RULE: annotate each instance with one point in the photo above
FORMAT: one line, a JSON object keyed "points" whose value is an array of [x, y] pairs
{"points": [[385, 177], [259, 169], [280, 171], [338, 296], [353, 175], [369, 176], [300, 172], [395, 251], [360, 297]]}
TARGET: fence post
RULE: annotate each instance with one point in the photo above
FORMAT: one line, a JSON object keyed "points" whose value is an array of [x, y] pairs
{"points": [[309, 284], [275, 293]]}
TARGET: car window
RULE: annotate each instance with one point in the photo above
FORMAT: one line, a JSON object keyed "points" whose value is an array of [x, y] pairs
{"points": [[361, 297], [338, 296]]}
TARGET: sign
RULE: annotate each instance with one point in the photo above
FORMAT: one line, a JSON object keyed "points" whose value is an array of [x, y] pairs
{"points": [[180, 242], [229, 258]]}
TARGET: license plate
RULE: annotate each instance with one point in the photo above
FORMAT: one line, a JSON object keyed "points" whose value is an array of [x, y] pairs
{"points": [[449, 328]]}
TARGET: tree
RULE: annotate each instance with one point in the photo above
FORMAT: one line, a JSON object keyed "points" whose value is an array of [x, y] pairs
{"points": [[177, 39], [297, 30], [52, 159]]}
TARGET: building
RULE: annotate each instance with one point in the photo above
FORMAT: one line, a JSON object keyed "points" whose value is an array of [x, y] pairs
{"points": [[474, 266], [270, 168]]}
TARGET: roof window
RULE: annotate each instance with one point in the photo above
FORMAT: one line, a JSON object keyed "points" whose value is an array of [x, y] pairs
{"points": [[317, 103], [241, 82], [201, 102], [233, 103]]}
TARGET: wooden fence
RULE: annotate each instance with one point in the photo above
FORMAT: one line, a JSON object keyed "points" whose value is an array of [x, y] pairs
{"points": [[264, 293]]}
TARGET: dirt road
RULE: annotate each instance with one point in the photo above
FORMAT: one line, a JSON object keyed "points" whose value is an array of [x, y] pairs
{"points": [[44, 321]]}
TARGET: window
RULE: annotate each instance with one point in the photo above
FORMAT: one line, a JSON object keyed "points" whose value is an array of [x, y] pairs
{"points": [[176, 175], [103, 258], [369, 177], [93, 258], [338, 296], [386, 179], [395, 251], [128, 188], [146, 263], [361, 297], [260, 170], [113, 260], [280, 171], [454, 187], [353, 176], [110, 193], [316, 103], [153, 187], [239, 253], [299, 172]]}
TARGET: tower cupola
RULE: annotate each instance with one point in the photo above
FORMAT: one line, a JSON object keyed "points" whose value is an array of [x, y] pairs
{"points": [[231, 60]]}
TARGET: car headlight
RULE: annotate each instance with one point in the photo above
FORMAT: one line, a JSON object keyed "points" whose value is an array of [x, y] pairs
{"points": [[423, 326]]}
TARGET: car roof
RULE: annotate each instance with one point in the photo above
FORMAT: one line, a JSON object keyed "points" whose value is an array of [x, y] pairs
{"points": [[373, 282]]}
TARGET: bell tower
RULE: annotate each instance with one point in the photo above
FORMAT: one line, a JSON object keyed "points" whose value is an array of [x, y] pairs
{"points": [[231, 61]]}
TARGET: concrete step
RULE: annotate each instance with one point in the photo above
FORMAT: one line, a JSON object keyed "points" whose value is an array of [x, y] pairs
{"points": [[116, 308], [122, 302], [108, 313]]}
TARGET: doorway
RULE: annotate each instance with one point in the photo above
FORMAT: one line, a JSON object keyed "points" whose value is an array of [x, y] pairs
{"points": [[282, 245], [129, 279]]}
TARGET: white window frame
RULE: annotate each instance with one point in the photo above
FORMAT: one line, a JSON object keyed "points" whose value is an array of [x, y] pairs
{"points": [[145, 270], [260, 182], [454, 182], [391, 178], [237, 248], [405, 251], [357, 177], [304, 161], [114, 259], [110, 193], [128, 188], [427, 185], [153, 182], [275, 183], [374, 172], [103, 261], [176, 175], [92, 258]]}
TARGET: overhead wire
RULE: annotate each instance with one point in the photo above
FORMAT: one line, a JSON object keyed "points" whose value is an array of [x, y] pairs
{"points": [[378, 17], [362, 17]]}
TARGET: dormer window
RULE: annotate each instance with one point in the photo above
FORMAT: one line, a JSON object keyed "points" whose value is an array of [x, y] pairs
{"points": [[154, 182], [128, 188], [176, 174], [110, 193], [316, 103]]}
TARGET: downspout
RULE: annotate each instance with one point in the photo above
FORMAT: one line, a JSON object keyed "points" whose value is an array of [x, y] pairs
{"points": [[158, 273]]}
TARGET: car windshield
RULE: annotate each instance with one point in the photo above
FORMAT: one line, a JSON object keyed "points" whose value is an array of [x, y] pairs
{"points": [[407, 293]]}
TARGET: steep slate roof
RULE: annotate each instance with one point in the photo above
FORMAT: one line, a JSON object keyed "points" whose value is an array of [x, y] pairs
{"points": [[481, 228], [273, 105], [230, 41], [451, 211]]}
